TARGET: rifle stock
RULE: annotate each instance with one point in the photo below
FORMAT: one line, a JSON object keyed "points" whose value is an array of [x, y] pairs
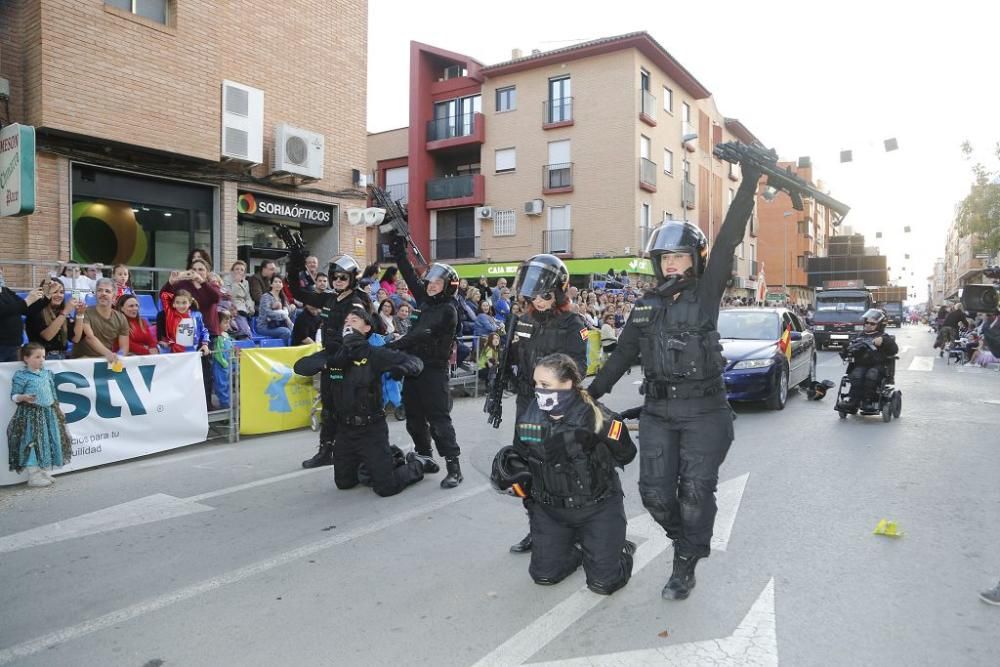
{"points": [[396, 220], [494, 398]]}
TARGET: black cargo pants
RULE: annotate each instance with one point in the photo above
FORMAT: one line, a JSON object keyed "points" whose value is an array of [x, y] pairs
{"points": [[427, 400], [370, 444]]}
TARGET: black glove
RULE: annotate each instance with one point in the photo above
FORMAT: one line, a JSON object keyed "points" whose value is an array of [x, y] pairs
{"points": [[397, 247], [396, 374], [355, 345]]}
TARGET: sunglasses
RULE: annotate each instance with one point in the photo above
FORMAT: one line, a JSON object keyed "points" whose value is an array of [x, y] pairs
{"points": [[341, 276], [544, 296]]}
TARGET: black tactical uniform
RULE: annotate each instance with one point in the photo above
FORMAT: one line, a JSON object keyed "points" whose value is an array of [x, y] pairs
{"points": [[686, 425], [867, 367], [355, 377], [576, 495], [540, 333], [426, 397], [334, 307]]}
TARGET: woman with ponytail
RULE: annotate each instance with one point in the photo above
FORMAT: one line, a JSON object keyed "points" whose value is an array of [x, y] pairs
{"points": [[572, 444]]}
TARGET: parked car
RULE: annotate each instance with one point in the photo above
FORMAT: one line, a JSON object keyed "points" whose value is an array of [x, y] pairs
{"points": [[756, 368]]}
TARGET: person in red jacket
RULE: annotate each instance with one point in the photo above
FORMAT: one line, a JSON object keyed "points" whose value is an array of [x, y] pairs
{"points": [[141, 336]]}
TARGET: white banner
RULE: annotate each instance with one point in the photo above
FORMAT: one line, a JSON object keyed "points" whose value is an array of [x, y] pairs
{"points": [[155, 403]]}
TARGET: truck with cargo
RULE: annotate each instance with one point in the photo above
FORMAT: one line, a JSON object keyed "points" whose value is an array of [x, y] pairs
{"points": [[890, 299], [837, 317]]}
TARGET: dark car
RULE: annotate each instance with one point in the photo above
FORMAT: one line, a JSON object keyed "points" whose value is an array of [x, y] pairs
{"points": [[756, 368]]}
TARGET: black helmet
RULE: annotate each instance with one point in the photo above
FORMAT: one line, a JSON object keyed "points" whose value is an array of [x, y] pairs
{"points": [[510, 473], [345, 264], [541, 274], [445, 273], [678, 236], [875, 315]]}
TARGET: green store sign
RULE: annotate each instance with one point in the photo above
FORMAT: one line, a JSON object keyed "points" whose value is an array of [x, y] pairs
{"points": [[576, 267]]}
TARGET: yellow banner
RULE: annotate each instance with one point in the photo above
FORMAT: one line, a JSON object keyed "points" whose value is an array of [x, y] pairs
{"points": [[272, 397], [593, 351]]}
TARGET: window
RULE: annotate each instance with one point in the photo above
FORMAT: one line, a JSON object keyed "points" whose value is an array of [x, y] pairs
{"points": [[800, 262], [454, 118], [559, 170], [644, 79], [506, 99], [644, 147], [668, 161], [154, 10], [506, 160], [559, 236], [687, 171], [560, 100], [803, 227], [397, 183], [645, 216], [668, 100], [456, 234], [685, 112], [739, 250], [504, 222]]}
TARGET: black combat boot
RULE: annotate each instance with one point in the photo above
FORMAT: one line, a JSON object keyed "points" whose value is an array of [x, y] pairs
{"points": [[430, 465], [323, 457], [454, 476], [681, 579], [523, 546]]}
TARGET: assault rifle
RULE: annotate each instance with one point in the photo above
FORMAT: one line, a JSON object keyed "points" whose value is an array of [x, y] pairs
{"points": [[494, 397], [765, 162], [395, 220]]}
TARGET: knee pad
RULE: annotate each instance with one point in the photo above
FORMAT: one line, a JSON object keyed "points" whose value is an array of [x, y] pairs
{"points": [[692, 492]]}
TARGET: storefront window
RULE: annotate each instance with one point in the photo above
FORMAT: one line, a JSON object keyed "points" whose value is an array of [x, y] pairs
{"points": [[139, 221]]}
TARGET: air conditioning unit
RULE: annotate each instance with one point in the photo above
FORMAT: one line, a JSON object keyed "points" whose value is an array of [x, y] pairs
{"points": [[484, 212], [452, 72], [298, 151], [534, 207], [242, 122]]}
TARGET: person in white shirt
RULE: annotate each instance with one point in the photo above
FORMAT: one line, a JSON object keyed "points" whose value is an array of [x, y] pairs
{"points": [[74, 280]]}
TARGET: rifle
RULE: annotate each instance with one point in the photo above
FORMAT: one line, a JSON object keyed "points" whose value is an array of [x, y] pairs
{"points": [[494, 398], [395, 219], [765, 162]]}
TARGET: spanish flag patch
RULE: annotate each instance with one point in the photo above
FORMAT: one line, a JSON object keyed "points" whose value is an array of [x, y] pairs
{"points": [[584, 333], [615, 431]]}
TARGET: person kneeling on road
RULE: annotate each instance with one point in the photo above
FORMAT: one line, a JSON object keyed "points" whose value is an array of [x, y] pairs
{"points": [[571, 446], [355, 379]]}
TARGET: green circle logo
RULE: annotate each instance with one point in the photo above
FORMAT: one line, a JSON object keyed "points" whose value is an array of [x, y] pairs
{"points": [[246, 204]]}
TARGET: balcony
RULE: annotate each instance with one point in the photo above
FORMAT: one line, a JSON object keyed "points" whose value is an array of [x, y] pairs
{"points": [[454, 131], [647, 175], [688, 192], [398, 192], [557, 241], [453, 191], [557, 112], [689, 136], [455, 248], [647, 107], [557, 178]]}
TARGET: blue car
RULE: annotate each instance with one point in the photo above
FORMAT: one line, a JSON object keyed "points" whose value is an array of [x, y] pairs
{"points": [[756, 369]]}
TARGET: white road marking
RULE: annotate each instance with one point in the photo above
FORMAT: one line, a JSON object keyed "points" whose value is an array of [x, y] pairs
{"points": [[921, 364], [114, 618], [530, 640], [753, 642], [157, 507]]}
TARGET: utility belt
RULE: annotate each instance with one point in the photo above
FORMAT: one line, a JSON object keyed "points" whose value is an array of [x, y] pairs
{"points": [[658, 389], [569, 502], [361, 420]]}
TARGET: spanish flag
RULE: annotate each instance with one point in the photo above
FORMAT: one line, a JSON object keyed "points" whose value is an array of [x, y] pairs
{"points": [[785, 342]]}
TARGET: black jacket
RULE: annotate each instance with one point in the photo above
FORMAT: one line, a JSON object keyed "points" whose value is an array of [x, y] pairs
{"points": [[539, 334], [432, 335], [355, 371], [12, 307], [864, 356], [953, 318]]}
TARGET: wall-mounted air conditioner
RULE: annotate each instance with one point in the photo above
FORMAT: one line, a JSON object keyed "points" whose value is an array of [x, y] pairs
{"points": [[484, 212], [242, 122], [534, 207], [298, 151]]}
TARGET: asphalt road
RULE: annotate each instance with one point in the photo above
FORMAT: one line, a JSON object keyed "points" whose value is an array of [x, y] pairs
{"points": [[231, 555]]}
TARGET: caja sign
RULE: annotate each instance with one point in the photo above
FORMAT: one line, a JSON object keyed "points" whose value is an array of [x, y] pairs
{"points": [[153, 404]]}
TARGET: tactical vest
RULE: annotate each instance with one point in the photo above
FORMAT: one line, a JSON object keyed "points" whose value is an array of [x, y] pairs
{"points": [[677, 341], [439, 349], [356, 392], [540, 337], [562, 473]]}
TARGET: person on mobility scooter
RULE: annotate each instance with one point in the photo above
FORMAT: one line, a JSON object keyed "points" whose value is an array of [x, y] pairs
{"points": [[871, 365]]}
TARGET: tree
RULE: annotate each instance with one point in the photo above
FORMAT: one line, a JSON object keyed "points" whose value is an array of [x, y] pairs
{"points": [[979, 212]]}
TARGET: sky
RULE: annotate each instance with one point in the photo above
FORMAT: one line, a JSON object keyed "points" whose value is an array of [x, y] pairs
{"points": [[808, 78]]}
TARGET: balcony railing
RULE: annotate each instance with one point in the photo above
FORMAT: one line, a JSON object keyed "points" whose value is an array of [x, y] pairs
{"points": [[647, 172], [449, 127], [558, 110], [450, 187], [557, 241], [455, 248], [557, 176], [647, 104], [399, 192], [688, 192]]}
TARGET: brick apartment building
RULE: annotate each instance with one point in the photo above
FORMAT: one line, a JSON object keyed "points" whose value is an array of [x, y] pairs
{"points": [[579, 151], [789, 237], [158, 127]]}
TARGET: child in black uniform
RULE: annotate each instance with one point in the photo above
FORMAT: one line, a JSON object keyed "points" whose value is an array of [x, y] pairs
{"points": [[572, 445], [355, 372]]}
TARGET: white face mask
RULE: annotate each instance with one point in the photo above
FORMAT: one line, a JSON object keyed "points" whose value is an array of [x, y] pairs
{"points": [[348, 331]]}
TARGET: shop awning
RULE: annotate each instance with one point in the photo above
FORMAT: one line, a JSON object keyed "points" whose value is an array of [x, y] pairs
{"points": [[576, 267]]}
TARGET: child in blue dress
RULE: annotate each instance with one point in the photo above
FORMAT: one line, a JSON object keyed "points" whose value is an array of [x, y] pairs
{"points": [[36, 436]]}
